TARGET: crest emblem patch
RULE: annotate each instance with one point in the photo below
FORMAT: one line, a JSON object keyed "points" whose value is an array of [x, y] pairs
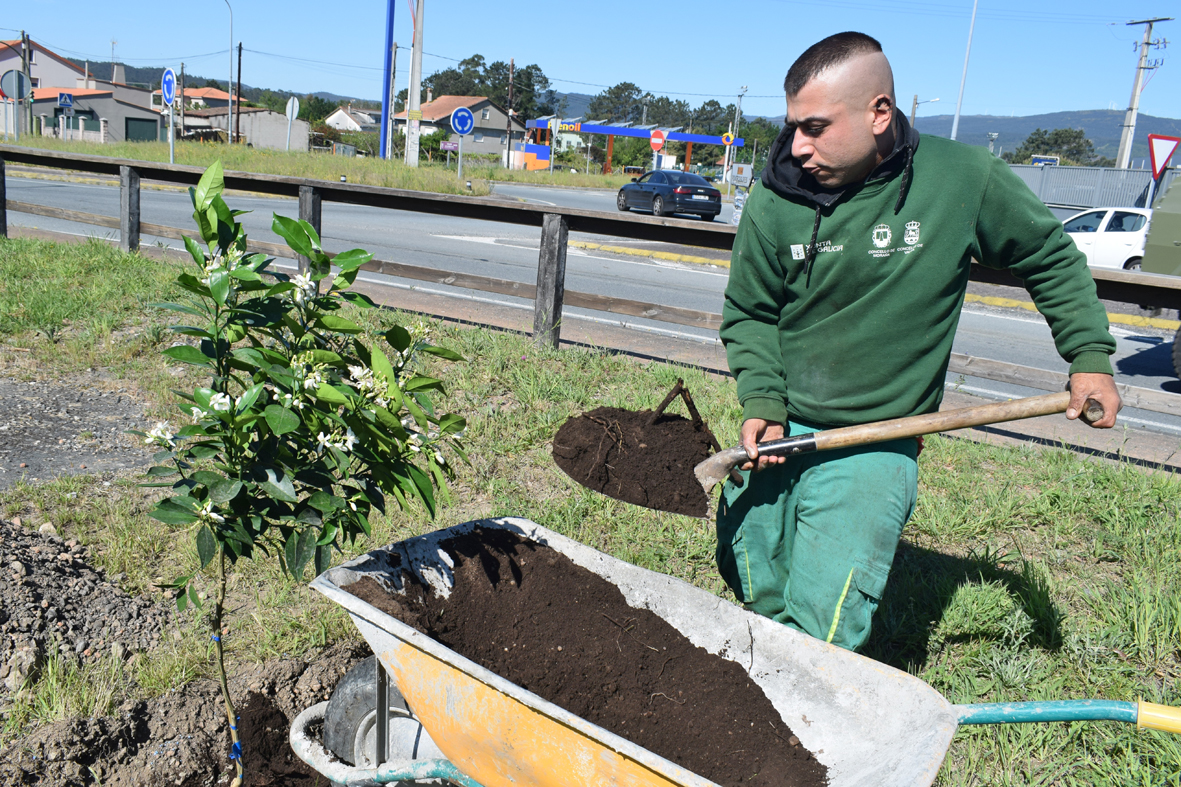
{"points": [[911, 236], [881, 236]]}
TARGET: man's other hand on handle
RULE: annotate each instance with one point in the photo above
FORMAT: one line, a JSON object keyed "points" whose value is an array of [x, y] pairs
{"points": [[1100, 387], [755, 431]]}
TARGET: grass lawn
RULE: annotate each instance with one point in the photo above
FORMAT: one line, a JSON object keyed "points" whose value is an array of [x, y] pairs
{"points": [[1025, 574], [434, 177]]}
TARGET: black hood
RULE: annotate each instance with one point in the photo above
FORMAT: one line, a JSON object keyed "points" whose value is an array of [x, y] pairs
{"points": [[784, 175]]}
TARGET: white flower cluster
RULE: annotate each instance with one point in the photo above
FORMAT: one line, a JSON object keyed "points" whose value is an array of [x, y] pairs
{"points": [[161, 436], [229, 261], [221, 403], [370, 386], [304, 287], [343, 443], [208, 513]]}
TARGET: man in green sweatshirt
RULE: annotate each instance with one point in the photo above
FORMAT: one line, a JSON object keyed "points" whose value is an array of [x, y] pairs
{"points": [[846, 283]]}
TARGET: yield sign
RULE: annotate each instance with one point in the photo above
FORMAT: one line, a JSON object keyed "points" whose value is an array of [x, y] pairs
{"points": [[1161, 148], [657, 140]]}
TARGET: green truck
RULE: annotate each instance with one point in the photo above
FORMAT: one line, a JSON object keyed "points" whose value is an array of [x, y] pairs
{"points": [[1162, 248]]}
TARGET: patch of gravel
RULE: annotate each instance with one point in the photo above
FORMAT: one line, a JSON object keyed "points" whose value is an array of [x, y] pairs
{"points": [[53, 428], [180, 737], [51, 600]]}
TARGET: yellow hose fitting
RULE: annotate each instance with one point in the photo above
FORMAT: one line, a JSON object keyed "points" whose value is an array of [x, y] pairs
{"points": [[1151, 716]]}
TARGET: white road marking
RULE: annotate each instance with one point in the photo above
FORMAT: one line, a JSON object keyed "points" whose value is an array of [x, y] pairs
{"points": [[991, 394], [1122, 333]]}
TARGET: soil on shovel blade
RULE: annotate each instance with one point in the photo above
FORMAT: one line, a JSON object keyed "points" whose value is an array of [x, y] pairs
{"points": [[624, 455], [532, 616]]}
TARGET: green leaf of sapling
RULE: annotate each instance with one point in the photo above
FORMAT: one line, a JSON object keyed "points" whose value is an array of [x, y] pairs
{"points": [[187, 354], [206, 545], [280, 419]]}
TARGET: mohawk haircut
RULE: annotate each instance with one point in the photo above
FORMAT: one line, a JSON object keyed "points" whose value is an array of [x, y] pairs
{"points": [[823, 55]]}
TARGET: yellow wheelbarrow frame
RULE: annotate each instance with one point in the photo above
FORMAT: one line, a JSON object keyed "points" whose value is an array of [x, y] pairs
{"points": [[868, 723]]}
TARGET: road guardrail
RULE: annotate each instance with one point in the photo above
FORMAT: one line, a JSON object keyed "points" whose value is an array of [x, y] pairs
{"points": [[548, 293]]}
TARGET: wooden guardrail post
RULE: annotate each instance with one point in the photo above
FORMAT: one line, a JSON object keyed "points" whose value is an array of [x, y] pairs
{"points": [[3, 203], [310, 204], [128, 209], [551, 280]]}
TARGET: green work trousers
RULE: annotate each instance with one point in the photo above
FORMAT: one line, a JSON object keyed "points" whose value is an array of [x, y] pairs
{"points": [[809, 543]]}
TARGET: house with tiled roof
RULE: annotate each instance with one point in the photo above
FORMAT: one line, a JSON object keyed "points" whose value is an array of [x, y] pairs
{"points": [[47, 69], [195, 97], [490, 134]]}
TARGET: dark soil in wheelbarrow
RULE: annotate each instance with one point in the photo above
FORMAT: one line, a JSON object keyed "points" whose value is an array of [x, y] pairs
{"points": [[529, 614], [625, 455]]}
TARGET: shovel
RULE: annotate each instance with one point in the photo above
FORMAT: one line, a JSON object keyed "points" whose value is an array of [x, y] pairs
{"points": [[718, 466]]}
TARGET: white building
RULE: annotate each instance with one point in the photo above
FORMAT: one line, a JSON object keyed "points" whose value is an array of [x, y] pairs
{"points": [[349, 119]]}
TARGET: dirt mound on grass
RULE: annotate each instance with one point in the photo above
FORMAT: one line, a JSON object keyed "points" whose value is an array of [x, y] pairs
{"points": [[53, 603], [627, 455], [180, 738]]}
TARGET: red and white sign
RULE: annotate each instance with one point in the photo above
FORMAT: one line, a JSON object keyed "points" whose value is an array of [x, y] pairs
{"points": [[657, 140], [1161, 148]]}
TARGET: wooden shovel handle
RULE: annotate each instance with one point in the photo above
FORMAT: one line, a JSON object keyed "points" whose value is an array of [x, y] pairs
{"points": [[916, 425]]}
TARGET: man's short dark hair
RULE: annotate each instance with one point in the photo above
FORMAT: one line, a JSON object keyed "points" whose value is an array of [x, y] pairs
{"points": [[823, 55]]}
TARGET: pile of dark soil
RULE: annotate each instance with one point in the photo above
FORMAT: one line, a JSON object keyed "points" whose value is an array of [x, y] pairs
{"points": [[637, 458], [529, 614]]}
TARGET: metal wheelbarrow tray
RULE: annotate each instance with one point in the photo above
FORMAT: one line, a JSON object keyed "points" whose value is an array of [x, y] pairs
{"points": [[868, 723]]}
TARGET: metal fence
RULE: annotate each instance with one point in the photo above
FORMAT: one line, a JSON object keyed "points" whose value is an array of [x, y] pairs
{"points": [[1090, 187], [549, 294]]}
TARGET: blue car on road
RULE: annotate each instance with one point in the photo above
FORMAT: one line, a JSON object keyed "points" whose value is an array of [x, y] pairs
{"points": [[669, 191]]}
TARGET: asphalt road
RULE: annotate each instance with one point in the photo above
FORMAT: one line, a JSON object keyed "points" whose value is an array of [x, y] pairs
{"points": [[510, 252]]}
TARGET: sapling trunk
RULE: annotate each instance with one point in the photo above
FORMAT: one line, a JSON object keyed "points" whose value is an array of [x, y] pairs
{"points": [[231, 713]]}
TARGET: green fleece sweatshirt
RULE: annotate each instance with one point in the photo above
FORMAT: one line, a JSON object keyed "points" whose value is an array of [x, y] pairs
{"points": [[859, 326]]}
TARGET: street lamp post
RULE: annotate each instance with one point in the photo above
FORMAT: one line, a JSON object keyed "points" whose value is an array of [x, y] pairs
{"points": [[230, 82], [914, 107]]}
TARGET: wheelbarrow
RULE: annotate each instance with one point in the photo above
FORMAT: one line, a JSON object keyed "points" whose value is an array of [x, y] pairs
{"points": [[868, 723]]}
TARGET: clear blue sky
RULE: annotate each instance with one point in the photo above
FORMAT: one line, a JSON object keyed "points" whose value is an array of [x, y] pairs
{"points": [[1027, 57]]}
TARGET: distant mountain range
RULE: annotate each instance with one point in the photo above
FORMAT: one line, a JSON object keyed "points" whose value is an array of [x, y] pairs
{"points": [[1102, 126]]}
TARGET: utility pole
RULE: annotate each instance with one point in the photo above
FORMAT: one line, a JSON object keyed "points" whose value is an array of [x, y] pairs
{"points": [[26, 66], [729, 155], [955, 124], [238, 103], [1124, 156], [644, 113], [508, 148], [113, 42], [414, 99], [182, 100], [388, 117]]}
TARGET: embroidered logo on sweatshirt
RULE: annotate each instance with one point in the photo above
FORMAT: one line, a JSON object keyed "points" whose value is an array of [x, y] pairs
{"points": [[882, 236], [797, 251], [911, 236]]}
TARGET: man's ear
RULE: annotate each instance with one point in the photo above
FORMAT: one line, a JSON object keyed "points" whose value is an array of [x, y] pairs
{"points": [[882, 108]]}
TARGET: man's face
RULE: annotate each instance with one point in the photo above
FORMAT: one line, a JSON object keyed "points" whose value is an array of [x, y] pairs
{"points": [[838, 124]]}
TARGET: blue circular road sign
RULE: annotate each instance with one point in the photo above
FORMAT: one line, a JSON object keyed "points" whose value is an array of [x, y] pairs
{"points": [[168, 86], [463, 121]]}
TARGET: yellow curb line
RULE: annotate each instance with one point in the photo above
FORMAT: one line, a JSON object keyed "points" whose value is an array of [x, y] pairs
{"points": [[1123, 319], [660, 255]]}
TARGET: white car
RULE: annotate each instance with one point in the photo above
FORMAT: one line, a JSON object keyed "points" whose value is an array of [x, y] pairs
{"points": [[1110, 237]]}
